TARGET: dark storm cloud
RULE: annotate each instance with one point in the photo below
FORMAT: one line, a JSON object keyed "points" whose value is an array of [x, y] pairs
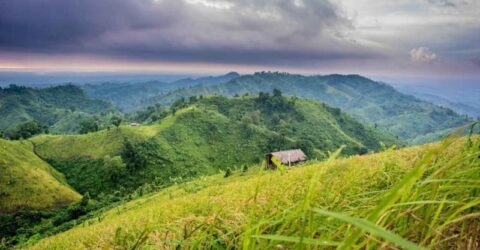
{"points": [[244, 31]]}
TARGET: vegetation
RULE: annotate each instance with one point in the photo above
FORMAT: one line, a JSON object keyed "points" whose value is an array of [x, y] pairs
{"points": [[27, 130], [27, 182], [203, 137], [66, 105], [410, 198], [129, 97], [362, 98], [190, 172]]}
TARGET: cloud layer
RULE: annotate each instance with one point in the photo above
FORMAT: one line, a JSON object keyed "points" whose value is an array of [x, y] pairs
{"points": [[300, 33]]}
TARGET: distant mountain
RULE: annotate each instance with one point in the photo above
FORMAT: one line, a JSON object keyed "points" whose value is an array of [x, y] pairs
{"points": [[129, 96], [204, 136], [46, 106], [463, 101], [376, 103]]}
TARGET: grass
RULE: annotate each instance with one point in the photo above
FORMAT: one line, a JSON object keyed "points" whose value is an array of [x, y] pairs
{"points": [[413, 198], [96, 145], [28, 182]]}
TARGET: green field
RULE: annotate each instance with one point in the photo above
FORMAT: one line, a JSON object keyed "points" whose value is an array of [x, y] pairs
{"points": [[412, 198], [28, 182]]}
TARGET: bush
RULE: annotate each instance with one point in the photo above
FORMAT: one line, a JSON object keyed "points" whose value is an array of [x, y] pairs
{"points": [[228, 172], [27, 130], [114, 167]]}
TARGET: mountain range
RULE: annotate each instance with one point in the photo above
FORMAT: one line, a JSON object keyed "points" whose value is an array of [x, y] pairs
{"points": [[373, 102]]}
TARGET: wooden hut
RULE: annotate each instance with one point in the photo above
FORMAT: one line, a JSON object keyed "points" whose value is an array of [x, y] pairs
{"points": [[287, 158]]}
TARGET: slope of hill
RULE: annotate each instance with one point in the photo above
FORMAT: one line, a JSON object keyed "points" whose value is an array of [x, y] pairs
{"points": [[28, 182], [129, 96], [47, 106], [410, 198], [370, 101], [461, 101], [203, 137]]}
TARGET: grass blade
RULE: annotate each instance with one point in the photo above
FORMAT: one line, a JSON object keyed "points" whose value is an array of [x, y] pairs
{"points": [[371, 228], [308, 241]]}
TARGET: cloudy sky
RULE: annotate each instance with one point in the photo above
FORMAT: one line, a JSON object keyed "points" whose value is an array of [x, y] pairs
{"points": [[395, 38]]}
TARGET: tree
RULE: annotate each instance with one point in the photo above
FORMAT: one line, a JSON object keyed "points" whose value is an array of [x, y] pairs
{"points": [[88, 125], [178, 104], [116, 121], [277, 93], [114, 167], [228, 172], [27, 130], [132, 156]]}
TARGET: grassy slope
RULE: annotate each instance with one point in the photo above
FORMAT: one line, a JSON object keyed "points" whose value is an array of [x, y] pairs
{"points": [[427, 195], [202, 139], [28, 182], [364, 99], [93, 145]]}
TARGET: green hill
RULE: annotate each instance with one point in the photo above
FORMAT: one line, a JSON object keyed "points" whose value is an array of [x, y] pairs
{"points": [[410, 198], [129, 96], [28, 182], [376, 103], [46, 106], [204, 136]]}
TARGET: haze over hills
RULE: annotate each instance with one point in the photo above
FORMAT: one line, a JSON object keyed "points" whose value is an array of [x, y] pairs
{"points": [[130, 96], [460, 97]]}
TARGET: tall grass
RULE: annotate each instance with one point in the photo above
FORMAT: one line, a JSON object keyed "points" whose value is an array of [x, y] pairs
{"points": [[415, 198]]}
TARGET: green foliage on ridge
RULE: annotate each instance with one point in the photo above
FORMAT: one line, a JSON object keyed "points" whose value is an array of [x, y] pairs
{"points": [[204, 136], [376, 103]]}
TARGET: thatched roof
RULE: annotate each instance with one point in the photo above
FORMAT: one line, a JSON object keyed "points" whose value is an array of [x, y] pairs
{"points": [[294, 155]]}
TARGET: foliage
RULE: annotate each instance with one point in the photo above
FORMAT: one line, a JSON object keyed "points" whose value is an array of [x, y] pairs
{"points": [[27, 182], [422, 197], [116, 121], [132, 156], [114, 168], [205, 136], [373, 102], [27, 130], [228, 172], [88, 125], [129, 96], [47, 106]]}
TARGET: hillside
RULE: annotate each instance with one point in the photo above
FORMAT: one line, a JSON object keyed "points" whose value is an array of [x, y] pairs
{"points": [[28, 182], [202, 137], [129, 96], [461, 99], [46, 106], [410, 198], [376, 103]]}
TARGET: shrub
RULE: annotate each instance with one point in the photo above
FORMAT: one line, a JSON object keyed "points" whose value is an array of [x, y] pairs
{"points": [[228, 172]]}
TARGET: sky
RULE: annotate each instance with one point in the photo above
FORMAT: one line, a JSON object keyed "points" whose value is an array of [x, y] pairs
{"points": [[395, 39]]}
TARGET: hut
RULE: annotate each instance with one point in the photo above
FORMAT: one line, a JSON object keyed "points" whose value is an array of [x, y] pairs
{"points": [[287, 158]]}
